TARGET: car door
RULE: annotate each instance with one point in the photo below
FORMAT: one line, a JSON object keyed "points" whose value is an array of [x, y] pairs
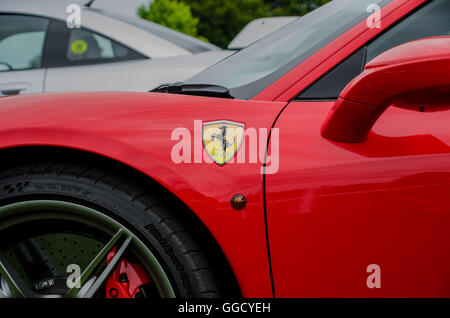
{"points": [[22, 41], [84, 60], [367, 219]]}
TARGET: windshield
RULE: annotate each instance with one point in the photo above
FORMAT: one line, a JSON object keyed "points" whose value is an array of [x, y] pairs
{"points": [[248, 72], [186, 42]]}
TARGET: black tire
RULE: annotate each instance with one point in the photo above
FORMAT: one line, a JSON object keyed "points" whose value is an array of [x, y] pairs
{"points": [[171, 236]]}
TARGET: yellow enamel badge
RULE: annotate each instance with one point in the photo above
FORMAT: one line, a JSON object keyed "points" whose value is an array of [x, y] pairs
{"points": [[222, 139]]}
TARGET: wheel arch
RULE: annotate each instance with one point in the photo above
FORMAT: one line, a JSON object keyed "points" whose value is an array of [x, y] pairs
{"points": [[13, 156]]}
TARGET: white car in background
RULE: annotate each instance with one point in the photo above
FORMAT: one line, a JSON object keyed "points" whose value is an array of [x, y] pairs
{"points": [[257, 29], [39, 53]]}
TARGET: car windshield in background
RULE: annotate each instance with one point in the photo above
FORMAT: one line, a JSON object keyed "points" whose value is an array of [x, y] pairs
{"points": [[186, 42], [248, 72]]}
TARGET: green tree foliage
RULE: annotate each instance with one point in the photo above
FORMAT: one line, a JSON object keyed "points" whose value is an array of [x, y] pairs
{"points": [[171, 13], [293, 7], [220, 20]]}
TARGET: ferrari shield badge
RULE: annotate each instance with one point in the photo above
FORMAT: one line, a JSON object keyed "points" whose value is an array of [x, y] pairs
{"points": [[222, 139]]}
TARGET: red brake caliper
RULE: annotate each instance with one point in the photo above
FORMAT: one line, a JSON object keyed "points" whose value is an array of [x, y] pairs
{"points": [[126, 279]]}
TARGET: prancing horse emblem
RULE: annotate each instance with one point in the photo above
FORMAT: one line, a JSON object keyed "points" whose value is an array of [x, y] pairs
{"points": [[222, 139]]}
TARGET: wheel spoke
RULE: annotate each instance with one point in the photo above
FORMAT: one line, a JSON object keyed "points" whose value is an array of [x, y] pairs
{"points": [[98, 259], [17, 286], [77, 220], [108, 270]]}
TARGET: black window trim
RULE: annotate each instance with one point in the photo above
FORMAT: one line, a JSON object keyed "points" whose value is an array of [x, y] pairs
{"points": [[299, 98]]}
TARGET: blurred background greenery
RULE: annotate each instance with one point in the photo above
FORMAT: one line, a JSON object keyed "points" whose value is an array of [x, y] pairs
{"points": [[219, 21]]}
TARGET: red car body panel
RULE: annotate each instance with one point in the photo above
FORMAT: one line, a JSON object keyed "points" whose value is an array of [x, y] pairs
{"points": [[332, 208], [127, 127], [336, 208]]}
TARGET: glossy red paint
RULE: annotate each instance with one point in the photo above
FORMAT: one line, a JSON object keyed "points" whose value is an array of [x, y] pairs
{"points": [[413, 75], [136, 129], [335, 208], [332, 208], [417, 66]]}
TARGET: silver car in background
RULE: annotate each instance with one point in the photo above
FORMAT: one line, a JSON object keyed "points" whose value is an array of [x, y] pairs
{"points": [[40, 53]]}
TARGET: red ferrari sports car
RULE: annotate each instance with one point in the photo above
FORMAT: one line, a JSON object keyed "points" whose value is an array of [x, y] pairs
{"points": [[314, 163]]}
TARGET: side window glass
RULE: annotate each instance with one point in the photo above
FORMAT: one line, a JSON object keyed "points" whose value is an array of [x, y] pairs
{"points": [[332, 83], [431, 20], [21, 42], [85, 45]]}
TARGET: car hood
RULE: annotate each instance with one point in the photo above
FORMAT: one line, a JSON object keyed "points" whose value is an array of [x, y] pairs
{"points": [[140, 130], [100, 113]]}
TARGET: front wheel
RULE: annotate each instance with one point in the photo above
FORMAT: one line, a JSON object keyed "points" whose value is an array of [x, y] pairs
{"points": [[80, 232]]}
